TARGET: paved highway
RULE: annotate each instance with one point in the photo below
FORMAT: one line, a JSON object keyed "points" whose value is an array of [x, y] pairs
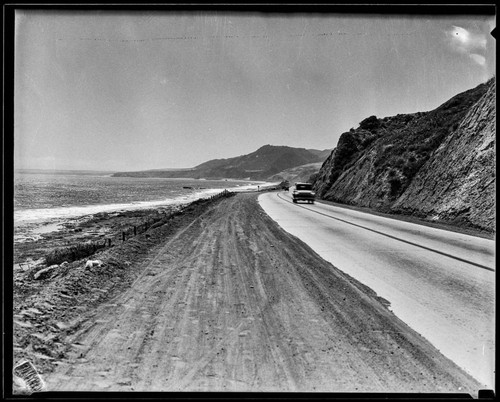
{"points": [[441, 283]]}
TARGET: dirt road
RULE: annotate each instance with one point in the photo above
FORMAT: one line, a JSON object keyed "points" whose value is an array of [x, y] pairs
{"points": [[234, 303]]}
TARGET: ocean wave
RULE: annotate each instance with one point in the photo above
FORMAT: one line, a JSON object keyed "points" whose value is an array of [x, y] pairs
{"points": [[41, 215]]}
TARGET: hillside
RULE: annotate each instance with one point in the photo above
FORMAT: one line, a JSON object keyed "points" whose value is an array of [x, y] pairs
{"points": [[301, 173], [437, 165], [458, 182], [259, 165]]}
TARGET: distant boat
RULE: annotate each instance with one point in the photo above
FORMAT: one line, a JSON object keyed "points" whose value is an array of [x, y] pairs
{"points": [[189, 188]]}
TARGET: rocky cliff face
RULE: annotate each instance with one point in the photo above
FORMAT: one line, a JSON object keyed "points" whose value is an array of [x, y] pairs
{"points": [[437, 165], [458, 182]]}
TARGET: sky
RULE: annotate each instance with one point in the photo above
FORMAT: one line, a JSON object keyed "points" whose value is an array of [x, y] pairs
{"points": [[126, 91]]}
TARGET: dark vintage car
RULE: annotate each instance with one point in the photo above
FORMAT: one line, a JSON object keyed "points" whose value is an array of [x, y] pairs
{"points": [[303, 192], [285, 185]]}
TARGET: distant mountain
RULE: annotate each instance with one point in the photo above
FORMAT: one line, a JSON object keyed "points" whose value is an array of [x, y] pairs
{"points": [[438, 165], [259, 165]]}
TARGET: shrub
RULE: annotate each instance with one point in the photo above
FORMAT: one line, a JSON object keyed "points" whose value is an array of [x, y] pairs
{"points": [[399, 162], [396, 185], [367, 141], [346, 147], [72, 253], [411, 169], [370, 123]]}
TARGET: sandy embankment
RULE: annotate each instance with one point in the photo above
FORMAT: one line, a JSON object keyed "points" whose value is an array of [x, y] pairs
{"points": [[221, 299]]}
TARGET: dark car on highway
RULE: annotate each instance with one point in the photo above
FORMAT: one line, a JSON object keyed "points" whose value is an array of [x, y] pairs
{"points": [[303, 192]]}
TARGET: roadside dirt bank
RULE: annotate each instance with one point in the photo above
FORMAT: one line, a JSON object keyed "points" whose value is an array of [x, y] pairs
{"points": [[222, 299]]}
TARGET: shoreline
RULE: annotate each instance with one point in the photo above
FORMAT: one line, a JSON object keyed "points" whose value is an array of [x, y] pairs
{"points": [[42, 236], [43, 220], [72, 231], [23, 215]]}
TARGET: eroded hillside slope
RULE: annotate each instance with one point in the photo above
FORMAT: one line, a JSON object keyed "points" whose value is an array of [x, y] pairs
{"points": [[437, 165]]}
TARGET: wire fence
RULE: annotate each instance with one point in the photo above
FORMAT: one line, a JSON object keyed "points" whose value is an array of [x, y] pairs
{"points": [[90, 247]]}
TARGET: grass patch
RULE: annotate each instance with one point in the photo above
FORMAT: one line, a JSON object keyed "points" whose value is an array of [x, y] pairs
{"points": [[72, 253]]}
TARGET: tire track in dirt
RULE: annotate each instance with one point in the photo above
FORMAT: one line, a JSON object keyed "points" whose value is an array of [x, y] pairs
{"points": [[234, 303]]}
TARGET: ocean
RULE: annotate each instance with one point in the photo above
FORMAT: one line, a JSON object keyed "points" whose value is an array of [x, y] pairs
{"points": [[41, 197]]}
